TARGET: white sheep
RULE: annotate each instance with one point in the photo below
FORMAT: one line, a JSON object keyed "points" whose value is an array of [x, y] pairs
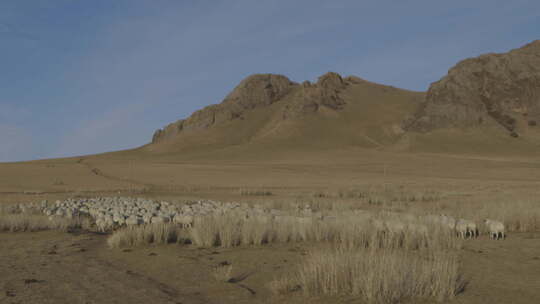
{"points": [[472, 229], [133, 220], [461, 228], [495, 229], [184, 220], [448, 221]]}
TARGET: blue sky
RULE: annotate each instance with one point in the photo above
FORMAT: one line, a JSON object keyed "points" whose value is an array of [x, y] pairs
{"points": [[80, 77]]}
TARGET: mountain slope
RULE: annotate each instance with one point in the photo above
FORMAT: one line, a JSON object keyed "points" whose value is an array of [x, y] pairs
{"points": [[485, 105], [272, 111], [492, 89]]}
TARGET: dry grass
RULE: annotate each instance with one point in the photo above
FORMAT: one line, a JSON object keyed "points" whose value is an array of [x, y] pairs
{"points": [[517, 216], [233, 230], [359, 259], [204, 232], [146, 234], [31, 222], [379, 195], [377, 276], [255, 192]]}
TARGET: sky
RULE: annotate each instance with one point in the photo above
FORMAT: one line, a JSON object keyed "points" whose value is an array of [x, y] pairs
{"points": [[80, 77]]}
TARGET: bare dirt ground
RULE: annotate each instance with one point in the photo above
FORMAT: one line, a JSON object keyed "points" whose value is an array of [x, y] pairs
{"points": [[55, 267]]}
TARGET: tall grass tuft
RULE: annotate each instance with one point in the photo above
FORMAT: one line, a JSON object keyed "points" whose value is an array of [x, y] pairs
{"points": [[31, 222], [377, 276], [146, 234]]}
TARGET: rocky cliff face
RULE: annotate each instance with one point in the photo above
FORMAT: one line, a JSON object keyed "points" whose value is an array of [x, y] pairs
{"points": [[262, 90], [311, 97], [504, 88], [255, 91]]}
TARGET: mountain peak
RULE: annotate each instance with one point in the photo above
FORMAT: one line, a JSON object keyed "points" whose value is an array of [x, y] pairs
{"points": [[254, 91], [496, 89]]}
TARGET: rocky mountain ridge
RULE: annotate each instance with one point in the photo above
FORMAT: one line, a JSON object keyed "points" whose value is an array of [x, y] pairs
{"points": [[259, 91], [504, 88], [499, 91]]}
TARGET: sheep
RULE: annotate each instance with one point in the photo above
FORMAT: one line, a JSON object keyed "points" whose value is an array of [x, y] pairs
{"points": [[133, 220], [185, 220], [461, 228], [495, 229], [466, 228], [472, 228], [103, 224], [448, 221]]}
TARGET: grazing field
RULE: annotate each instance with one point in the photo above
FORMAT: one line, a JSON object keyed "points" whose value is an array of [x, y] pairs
{"points": [[363, 227]]}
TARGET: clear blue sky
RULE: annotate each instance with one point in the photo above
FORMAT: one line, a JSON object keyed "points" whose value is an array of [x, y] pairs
{"points": [[79, 77]]}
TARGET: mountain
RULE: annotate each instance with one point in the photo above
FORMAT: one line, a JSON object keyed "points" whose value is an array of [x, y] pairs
{"points": [[483, 105], [498, 89], [273, 110]]}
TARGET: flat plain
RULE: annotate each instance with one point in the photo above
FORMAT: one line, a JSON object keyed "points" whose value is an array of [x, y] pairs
{"points": [[78, 267]]}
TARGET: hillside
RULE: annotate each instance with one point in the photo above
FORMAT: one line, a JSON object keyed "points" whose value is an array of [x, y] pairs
{"points": [[271, 110], [488, 104], [492, 89]]}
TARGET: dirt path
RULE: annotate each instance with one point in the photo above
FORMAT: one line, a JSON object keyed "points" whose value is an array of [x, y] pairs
{"points": [[45, 268], [96, 171]]}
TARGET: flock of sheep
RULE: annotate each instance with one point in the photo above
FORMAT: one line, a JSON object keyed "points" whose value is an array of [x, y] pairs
{"points": [[111, 212], [467, 228]]}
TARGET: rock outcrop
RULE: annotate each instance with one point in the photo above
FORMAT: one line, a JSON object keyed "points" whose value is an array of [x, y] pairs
{"points": [[255, 91], [263, 90], [324, 93], [504, 88]]}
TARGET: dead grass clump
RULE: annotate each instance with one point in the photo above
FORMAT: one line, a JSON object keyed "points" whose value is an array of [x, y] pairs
{"points": [[377, 276], [205, 231], [228, 231], [255, 231], [30, 222], [380, 195], [146, 234], [356, 231], [255, 192]]}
